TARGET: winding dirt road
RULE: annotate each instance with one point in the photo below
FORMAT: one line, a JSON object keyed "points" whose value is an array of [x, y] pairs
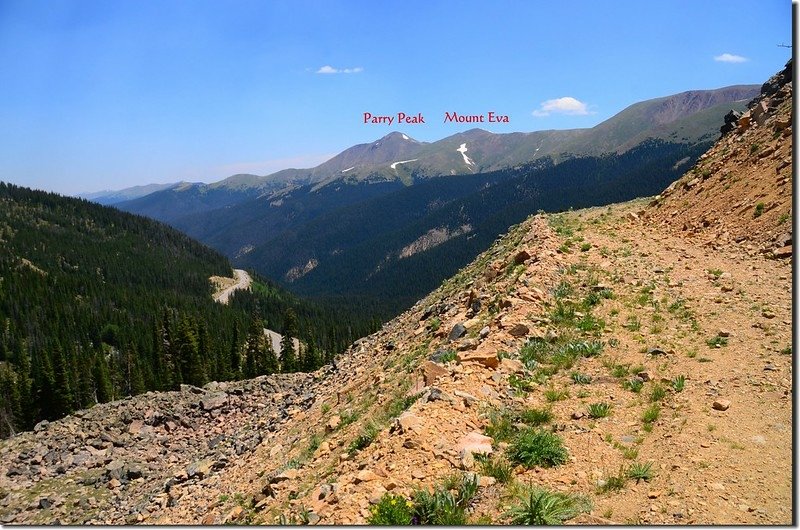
{"points": [[242, 279]]}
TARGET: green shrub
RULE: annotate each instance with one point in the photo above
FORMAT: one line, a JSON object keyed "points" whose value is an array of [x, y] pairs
{"points": [[639, 471], [599, 410], [581, 378], [651, 414], [497, 467], [537, 447], [657, 393], [392, 510], [552, 395], [539, 506], [364, 439], [679, 383], [633, 384], [614, 482], [501, 426], [536, 417], [442, 506]]}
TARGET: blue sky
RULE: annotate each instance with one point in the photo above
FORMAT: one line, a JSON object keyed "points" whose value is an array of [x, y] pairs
{"points": [[109, 94]]}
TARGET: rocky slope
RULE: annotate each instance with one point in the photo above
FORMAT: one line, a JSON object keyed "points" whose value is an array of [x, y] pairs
{"points": [[741, 189]]}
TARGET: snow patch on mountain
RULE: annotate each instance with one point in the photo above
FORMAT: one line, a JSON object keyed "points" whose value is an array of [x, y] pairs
{"points": [[463, 151], [394, 164], [348, 169]]}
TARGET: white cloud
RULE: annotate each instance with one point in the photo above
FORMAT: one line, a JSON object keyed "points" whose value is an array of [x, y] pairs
{"points": [[565, 105], [730, 58], [327, 69]]}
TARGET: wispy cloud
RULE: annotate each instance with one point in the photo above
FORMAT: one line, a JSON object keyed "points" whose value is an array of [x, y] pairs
{"points": [[730, 58], [565, 105], [327, 69]]}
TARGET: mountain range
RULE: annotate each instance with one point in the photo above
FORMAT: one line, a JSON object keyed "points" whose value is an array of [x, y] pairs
{"points": [[373, 223]]}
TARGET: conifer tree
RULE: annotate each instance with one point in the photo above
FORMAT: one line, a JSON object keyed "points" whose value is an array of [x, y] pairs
{"points": [[288, 353]]}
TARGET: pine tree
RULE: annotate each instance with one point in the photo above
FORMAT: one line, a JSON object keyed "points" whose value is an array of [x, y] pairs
{"points": [[254, 349], [103, 388], [234, 357], [288, 353]]}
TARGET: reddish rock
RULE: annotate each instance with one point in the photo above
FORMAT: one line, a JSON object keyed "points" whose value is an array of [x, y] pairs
{"points": [[485, 357], [721, 404], [431, 371]]}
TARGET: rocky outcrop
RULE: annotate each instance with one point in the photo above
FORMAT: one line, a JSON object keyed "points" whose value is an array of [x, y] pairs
{"points": [[116, 463], [740, 190]]}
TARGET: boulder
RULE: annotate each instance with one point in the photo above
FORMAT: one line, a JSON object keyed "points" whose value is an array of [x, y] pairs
{"points": [[521, 257], [199, 469], [214, 401], [519, 330], [457, 332], [407, 421], [432, 371], [487, 358]]}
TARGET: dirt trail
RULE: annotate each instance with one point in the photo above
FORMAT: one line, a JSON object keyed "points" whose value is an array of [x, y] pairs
{"points": [[241, 280]]}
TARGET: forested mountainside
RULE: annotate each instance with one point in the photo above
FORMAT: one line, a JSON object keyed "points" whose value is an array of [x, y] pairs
{"points": [[386, 252], [97, 304]]}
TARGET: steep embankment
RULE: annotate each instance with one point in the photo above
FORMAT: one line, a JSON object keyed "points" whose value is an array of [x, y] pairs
{"points": [[741, 189]]}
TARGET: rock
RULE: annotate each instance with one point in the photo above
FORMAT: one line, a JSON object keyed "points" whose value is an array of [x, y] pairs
{"points": [[512, 366], [731, 121], [485, 357], [376, 494], [644, 376], [113, 439], [457, 332], [214, 401], [577, 415], [45, 503], [485, 482], [724, 333], [484, 332], [474, 442], [439, 355], [233, 515], [519, 331], [435, 394], [116, 469], [41, 426], [133, 472], [469, 399], [432, 371], [744, 122], [721, 404], [287, 474], [199, 469], [521, 257], [655, 351], [468, 344], [333, 423], [366, 475], [407, 422], [782, 252], [135, 427]]}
